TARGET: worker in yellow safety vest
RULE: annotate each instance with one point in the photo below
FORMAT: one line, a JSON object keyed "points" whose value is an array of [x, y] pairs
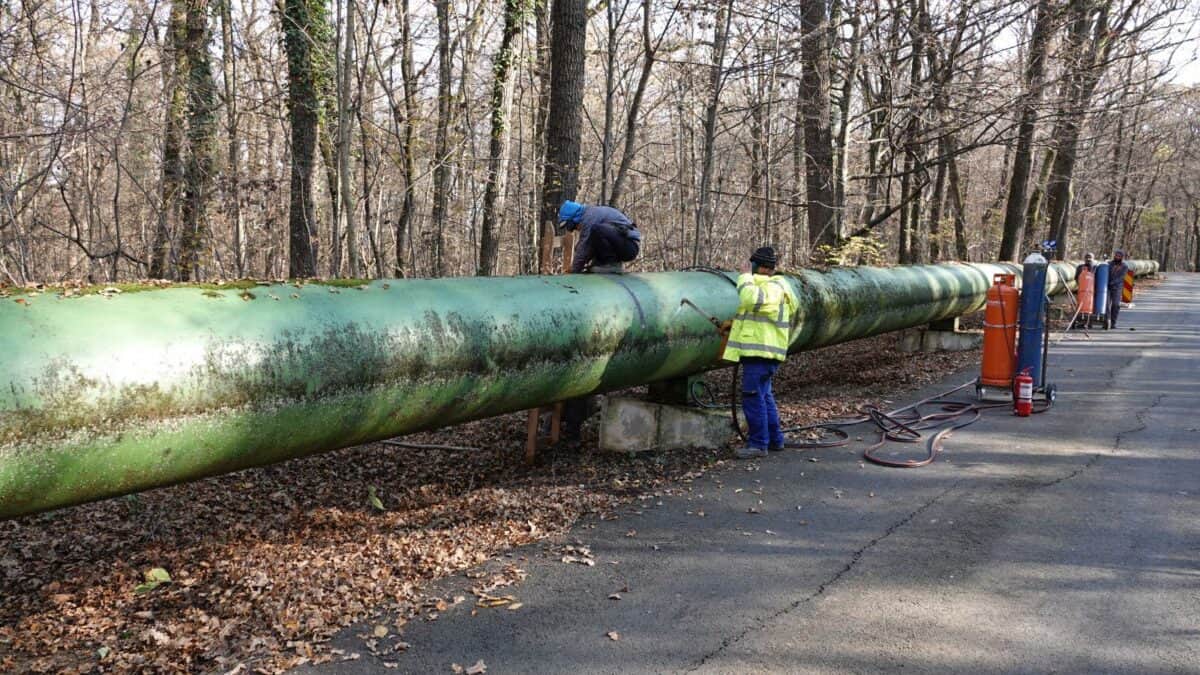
{"points": [[759, 339]]}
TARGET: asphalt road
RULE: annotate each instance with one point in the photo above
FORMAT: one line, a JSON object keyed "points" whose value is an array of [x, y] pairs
{"points": [[1064, 542]]}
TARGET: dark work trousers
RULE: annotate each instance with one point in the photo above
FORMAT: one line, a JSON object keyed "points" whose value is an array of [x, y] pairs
{"points": [[758, 403], [1114, 303]]}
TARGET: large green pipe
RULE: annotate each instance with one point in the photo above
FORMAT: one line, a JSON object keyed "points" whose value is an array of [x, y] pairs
{"points": [[107, 395]]}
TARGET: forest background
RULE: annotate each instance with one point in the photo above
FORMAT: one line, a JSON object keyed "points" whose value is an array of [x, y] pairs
{"points": [[213, 139]]}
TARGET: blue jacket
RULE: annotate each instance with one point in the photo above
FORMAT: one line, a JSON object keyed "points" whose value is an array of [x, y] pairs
{"points": [[1116, 275], [606, 237]]}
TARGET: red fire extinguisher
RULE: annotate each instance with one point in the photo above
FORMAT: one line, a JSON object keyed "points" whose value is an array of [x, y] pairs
{"points": [[1023, 394]]}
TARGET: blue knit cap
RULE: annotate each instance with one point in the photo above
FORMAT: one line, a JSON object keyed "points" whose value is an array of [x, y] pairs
{"points": [[570, 212]]}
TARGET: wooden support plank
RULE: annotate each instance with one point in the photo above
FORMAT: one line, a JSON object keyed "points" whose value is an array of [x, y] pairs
{"points": [[568, 251], [531, 435]]}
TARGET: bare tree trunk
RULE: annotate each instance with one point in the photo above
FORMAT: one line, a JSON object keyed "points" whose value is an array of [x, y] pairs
{"points": [[541, 239], [441, 143], [229, 64], [568, 37], [408, 161], [1196, 237], [758, 144], [1090, 59], [1033, 210], [344, 132], [614, 17], [799, 185], [961, 252], [910, 188], [369, 165], [936, 203], [200, 165], [173, 139], [716, 82], [326, 131], [842, 137], [305, 33], [818, 135], [1119, 179], [1014, 213], [1165, 259], [498, 143]]}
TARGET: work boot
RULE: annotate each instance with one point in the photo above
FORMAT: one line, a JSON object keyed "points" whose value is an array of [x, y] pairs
{"points": [[775, 448], [750, 453]]}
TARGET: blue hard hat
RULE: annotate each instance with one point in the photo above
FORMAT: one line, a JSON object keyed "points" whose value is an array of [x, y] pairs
{"points": [[570, 212]]}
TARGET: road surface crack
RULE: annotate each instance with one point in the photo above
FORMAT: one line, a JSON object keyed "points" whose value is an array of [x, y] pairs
{"points": [[1140, 416], [855, 558]]}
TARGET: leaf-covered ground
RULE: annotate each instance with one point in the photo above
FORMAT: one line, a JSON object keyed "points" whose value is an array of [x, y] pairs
{"points": [[266, 564]]}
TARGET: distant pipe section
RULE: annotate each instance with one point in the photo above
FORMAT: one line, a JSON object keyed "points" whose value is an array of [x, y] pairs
{"points": [[111, 394]]}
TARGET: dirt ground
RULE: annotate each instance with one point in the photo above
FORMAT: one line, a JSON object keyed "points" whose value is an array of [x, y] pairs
{"points": [[266, 564]]}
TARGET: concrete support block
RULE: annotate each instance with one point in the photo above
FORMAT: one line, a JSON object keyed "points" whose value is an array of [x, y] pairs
{"points": [[632, 425], [929, 340], [948, 341]]}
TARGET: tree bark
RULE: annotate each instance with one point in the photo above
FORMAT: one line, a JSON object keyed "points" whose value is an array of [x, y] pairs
{"points": [[201, 115], [818, 134], [799, 185], [344, 130], [712, 108], [1035, 68], [841, 145], [936, 203], [1196, 237], [1089, 59], [441, 143], [229, 65], [540, 240], [957, 188], [910, 188], [174, 123], [568, 38], [498, 142], [1033, 210], [305, 33], [403, 228]]}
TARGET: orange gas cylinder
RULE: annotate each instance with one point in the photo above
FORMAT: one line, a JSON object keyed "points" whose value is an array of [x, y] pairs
{"points": [[1000, 332], [1087, 290]]}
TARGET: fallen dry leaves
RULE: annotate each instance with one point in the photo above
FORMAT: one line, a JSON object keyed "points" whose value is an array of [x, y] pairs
{"points": [[255, 571]]}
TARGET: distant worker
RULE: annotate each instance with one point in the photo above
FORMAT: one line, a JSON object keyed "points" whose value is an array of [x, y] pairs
{"points": [[1089, 264], [759, 339], [607, 238], [1116, 284]]}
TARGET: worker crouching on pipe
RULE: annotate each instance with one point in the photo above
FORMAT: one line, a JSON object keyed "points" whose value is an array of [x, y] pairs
{"points": [[758, 340], [607, 238]]}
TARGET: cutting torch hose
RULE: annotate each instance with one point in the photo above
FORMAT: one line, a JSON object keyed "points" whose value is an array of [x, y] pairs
{"points": [[902, 425], [906, 425]]}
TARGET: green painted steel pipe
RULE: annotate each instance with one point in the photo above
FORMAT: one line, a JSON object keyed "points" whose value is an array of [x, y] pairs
{"points": [[108, 395]]}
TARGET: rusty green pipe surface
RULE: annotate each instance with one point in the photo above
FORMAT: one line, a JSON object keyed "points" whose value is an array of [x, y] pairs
{"points": [[109, 395]]}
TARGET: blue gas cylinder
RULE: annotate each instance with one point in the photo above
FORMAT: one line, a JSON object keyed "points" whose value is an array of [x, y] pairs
{"points": [[1101, 294], [1033, 320]]}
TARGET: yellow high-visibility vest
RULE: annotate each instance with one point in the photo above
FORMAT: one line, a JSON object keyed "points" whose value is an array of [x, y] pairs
{"points": [[763, 325]]}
